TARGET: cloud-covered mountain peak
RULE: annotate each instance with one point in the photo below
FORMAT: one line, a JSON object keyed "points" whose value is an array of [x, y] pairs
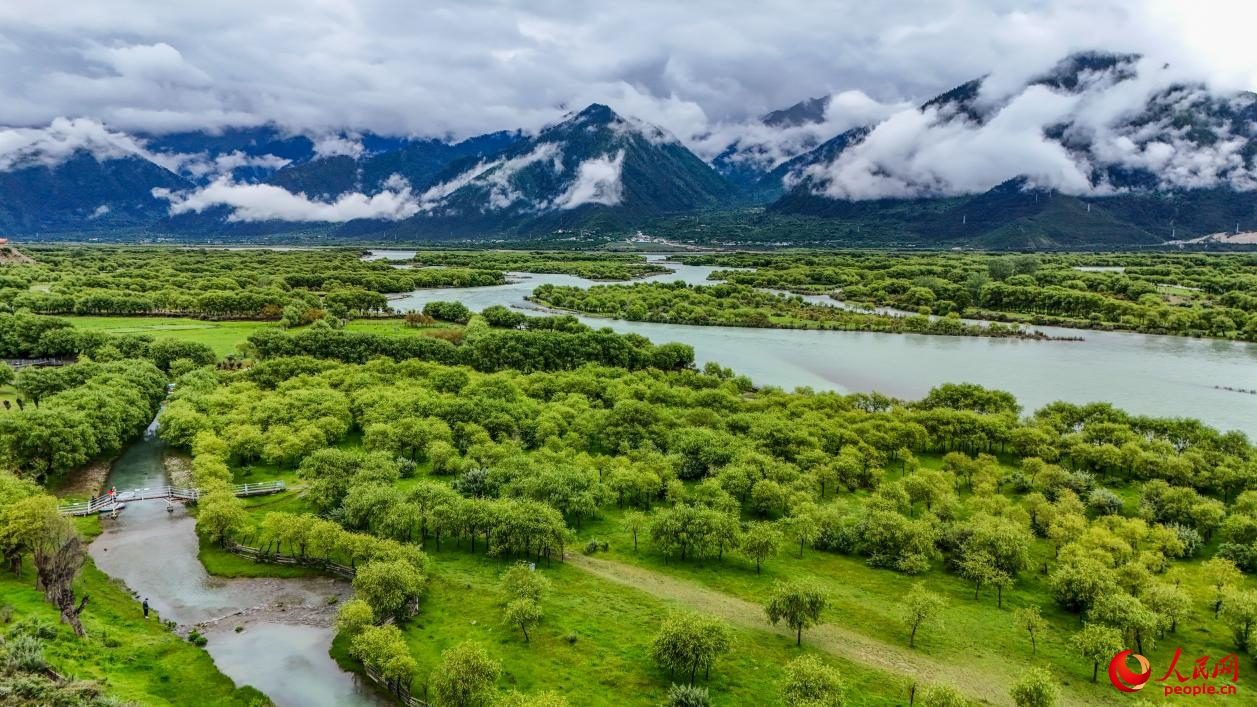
{"points": [[594, 157], [1094, 124]]}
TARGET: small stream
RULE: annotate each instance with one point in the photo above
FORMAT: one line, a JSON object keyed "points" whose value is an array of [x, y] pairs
{"points": [[286, 625]]}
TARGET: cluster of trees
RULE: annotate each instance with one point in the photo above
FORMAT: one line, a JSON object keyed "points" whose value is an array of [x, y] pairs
{"points": [[1194, 295], [592, 266], [76, 414], [706, 468], [216, 284], [487, 350], [390, 577], [745, 306], [26, 335]]}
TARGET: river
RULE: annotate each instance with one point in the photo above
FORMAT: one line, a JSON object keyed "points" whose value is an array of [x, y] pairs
{"points": [[286, 624], [1163, 376]]}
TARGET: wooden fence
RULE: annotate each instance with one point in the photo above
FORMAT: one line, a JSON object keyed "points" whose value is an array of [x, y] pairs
{"points": [[277, 558], [406, 697]]}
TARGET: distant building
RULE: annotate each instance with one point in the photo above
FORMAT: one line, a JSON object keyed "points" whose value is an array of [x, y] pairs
{"points": [[4, 241]]}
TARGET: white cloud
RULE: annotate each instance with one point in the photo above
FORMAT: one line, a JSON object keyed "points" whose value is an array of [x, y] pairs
{"points": [[99, 211], [202, 166], [936, 152], [335, 145], [764, 146], [495, 178], [265, 202], [441, 67], [159, 63], [62, 139], [597, 182]]}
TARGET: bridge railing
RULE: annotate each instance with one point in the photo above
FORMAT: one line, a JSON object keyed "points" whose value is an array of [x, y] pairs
{"points": [[260, 488], [108, 503]]}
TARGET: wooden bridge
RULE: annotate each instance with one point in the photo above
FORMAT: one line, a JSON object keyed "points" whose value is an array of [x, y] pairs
{"points": [[110, 504], [18, 364]]}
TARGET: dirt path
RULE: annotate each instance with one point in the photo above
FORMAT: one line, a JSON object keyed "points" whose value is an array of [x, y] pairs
{"points": [[990, 688]]}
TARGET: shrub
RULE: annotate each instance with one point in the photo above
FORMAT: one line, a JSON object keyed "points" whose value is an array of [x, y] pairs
{"points": [[688, 696], [23, 652], [448, 311], [1104, 502]]}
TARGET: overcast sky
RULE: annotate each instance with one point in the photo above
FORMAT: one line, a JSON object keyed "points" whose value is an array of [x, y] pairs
{"points": [[463, 68]]}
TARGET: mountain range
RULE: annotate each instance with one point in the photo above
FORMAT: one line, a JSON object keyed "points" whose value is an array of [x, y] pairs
{"points": [[1102, 150]]}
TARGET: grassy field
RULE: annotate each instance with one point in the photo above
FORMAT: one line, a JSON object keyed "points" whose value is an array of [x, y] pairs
{"points": [[594, 642], [222, 336], [136, 660]]}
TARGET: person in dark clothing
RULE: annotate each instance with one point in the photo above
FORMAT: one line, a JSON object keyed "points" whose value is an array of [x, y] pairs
{"points": [[146, 607]]}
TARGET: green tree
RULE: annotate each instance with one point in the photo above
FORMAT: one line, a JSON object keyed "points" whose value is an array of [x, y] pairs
{"points": [[1169, 602], [221, 515], [760, 542], [919, 607], [1239, 612], [523, 614], [1035, 688], [465, 677], [942, 696], [1030, 620], [521, 581], [1221, 574], [1127, 613], [24, 505], [384, 649], [1097, 643], [801, 527], [634, 522], [392, 588], [810, 682], [354, 615], [689, 642], [798, 604]]}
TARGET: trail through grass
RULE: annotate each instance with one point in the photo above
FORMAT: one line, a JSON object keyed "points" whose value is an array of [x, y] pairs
{"points": [[982, 684]]}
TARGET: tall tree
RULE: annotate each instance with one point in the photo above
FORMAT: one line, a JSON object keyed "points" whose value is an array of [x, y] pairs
{"points": [[920, 606], [1036, 688], [798, 604], [523, 614], [59, 554], [759, 542], [1029, 619], [465, 677], [689, 642], [812, 683], [1097, 643]]}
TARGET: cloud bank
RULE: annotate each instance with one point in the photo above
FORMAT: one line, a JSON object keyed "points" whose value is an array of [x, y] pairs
{"points": [[264, 202], [460, 69], [1067, 139]]}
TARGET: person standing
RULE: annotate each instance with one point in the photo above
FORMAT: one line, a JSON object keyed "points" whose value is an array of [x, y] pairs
{"points": [[145, 608]]}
